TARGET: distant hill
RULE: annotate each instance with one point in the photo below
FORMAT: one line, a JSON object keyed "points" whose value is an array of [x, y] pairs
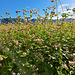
{"points": [[1, 20], [13, 20]]}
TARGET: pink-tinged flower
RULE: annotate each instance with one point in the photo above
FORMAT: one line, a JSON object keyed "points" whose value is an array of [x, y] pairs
{"points": [[13, 40], [65, 66], [38, 39], [8, 49], [3, 39], [31, 47], [18, 74], [47, 47], [13, 73], [72, 62], [33, 66], [17, 43], [37, 68], [1, 58]]}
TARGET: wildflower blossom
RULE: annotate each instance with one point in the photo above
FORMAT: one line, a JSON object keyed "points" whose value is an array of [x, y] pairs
{"points": [[52, 12], [1, 16], [65, 66], [72, 62], [18, 74], [7, 13], [27, 18], [37, 68], [18, 11], [35, 9], [24, 13], [43, 9], [30, 11], [73, 9], [17, 43], [52, 1], [10, 17], [37, 12], [38, 39], [1, 58], [24, 10], [33, 66], [8, 49], [68, 8], [47, 47], [13, 73]]}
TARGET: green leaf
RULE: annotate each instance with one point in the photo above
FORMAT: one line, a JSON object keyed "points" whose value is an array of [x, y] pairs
{"points": [[4, 56], [31, 15]]}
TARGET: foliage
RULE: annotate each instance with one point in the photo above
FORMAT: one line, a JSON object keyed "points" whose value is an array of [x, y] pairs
{"points": [[43, 48]]}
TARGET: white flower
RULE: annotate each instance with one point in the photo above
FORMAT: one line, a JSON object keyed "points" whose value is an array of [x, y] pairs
{"points": [[1, 58]]}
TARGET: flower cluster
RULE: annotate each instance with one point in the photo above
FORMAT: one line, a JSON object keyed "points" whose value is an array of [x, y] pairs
{"points": [[18, 11], [72, 62], [1, 58], [7, 13], [17, 43], [73, 9]]}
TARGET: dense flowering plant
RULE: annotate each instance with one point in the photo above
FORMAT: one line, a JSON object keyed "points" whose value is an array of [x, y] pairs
{"points": [[40, 48]]}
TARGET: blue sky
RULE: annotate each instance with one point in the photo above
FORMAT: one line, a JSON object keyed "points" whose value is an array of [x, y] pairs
{"points": [[12, 5]]}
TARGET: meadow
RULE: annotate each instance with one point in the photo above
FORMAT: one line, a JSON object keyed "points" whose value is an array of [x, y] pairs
{"points": [[43, 48]]}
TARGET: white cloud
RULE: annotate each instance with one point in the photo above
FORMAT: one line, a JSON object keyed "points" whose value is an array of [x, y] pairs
{"points": [[54, 18], [67, 11], [27, 6], [59, 7], [71, 6]]}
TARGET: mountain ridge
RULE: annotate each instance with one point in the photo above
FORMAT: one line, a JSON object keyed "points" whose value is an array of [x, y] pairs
{"points": [[33, 20]]}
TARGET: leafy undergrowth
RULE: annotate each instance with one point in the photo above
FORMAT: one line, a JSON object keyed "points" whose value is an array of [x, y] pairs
{"points": [[37, 49]]}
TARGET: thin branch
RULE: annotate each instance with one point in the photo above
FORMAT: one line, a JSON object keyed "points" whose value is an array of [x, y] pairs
{"points": [[61, 5]]}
